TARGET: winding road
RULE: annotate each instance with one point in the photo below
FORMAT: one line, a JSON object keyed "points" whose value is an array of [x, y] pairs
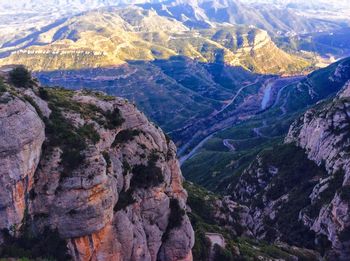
{"points": [[280, 83]]}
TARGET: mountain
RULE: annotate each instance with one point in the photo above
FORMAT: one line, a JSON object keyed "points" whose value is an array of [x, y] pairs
{"points": [[221, 159], [290, 186], [275, 20], [113, 36], [299, 191], [179, 77], [86, 176]]}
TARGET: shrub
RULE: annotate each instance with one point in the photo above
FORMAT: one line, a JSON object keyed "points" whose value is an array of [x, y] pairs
{"points": [[114, 119], [2, 87], [201, 246], [21, 77], [46, 245], [175, 217], [176, 214], [88, 131], [146, 176], [62, 134], [125, 199], [125, 136], [221, 254], [43, 94]]}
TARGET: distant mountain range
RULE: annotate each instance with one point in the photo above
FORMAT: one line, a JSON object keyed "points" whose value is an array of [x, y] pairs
{"points": [[113, 36], [271, 18]]}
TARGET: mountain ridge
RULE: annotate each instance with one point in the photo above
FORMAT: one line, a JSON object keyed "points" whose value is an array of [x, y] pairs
{"points": [[113, 36]]}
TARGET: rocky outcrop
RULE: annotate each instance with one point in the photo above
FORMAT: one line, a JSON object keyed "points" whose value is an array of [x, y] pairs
{"points": [[97, 171], [298, 193], [22, 135], [324, 133]]}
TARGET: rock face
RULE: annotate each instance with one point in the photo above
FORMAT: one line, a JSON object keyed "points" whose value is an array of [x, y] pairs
{"points": [[104, 177], [22, 135], [324, 133], [299, 192]]}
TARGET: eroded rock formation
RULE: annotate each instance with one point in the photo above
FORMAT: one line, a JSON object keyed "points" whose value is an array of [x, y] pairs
{"points": [[94, 169]]}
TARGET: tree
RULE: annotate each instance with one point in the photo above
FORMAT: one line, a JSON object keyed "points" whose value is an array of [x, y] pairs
{"points": [[21, 77]]}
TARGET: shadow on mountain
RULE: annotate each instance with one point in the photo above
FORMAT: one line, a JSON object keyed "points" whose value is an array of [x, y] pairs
{"points": [[179, 94]]}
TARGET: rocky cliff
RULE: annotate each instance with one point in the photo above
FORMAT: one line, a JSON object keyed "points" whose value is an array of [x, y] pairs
{"points": [[324, 133], [92, 171], [298, 193]]}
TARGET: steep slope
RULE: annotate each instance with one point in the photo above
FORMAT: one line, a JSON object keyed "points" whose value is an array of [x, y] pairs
{"points": [[226, 154], [215, 217], [178, 94], [299, 192], [87, 176], [113, 36]]}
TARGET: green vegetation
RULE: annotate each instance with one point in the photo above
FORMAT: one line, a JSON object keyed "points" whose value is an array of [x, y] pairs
{"points": [[21, 77], [176, 214], [201, 248], [100, 95], [88, 131], [217, 168], [321, 82], [126, 167], [36, 246], [146, 176], [221, 254], [296, 177], [125, 199], [2, 86], [47, 245], [43, 93], [175, 218], [326, 196], [202, 219], [63, 134], [214, 166], [125, 136], [114, 119]]}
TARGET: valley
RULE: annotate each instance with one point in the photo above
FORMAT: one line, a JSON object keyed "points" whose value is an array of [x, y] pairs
{"points": [[272, 89], [175, 130]]}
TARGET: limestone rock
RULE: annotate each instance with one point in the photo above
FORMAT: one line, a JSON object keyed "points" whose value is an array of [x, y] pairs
{"points": [[110, 199]]}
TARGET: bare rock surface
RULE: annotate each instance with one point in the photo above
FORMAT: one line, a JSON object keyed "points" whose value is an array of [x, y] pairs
{"points": [[324, 133], [22, 134], [103, 176]]}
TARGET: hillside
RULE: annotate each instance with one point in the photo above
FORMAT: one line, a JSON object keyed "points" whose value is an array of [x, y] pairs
{"points": [[288, 191], [114, 36], [223, 157], [86, 176], [298, 192]]}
